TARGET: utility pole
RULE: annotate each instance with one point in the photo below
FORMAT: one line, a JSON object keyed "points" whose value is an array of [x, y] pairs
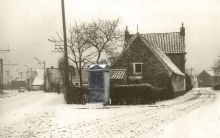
{"points": [[1, 79], [191, 71], [29, 78], [65, 53], [21, 77], [1, 63]]}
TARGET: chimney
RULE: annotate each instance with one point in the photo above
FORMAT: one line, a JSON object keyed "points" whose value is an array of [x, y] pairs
{"points": [[127, 36], [182, 30]]}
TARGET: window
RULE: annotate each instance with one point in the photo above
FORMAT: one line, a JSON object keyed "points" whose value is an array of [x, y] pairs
{"points": [[137, 68]]}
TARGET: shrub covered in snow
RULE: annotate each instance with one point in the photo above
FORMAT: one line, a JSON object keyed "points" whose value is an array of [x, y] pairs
{"points": [[77, 95], [216, 87]]}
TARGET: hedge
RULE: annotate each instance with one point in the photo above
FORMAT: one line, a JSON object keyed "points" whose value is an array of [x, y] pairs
{"points": [[77, 95], [139, 94], [216, 87], [133, 94]]}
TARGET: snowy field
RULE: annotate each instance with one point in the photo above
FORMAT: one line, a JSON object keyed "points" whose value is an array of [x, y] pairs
{"points": [[38, 114]]}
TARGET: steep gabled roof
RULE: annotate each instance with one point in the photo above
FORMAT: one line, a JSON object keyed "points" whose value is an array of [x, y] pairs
{"points": [[162, 57], [165, 60], [169, 43]]}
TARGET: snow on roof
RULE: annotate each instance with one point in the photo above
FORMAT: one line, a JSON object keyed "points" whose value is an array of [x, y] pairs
{"points": [[19, 79], [39, 79], [101, 65], [212, 73]]}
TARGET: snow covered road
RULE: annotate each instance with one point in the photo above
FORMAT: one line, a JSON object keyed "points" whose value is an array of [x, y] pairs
{"points": [[39, 114]]}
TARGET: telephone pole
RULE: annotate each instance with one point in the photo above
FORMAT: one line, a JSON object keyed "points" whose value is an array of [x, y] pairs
{"points": [[21, 78], [65, 53], [1, 78], [1, 69]]}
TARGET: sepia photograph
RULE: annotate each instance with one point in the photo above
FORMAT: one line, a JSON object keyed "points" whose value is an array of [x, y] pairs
{"points": [[109, 69]]}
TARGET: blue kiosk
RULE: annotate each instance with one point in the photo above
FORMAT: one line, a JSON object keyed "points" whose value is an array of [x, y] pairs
{"points": [[99, 83]]}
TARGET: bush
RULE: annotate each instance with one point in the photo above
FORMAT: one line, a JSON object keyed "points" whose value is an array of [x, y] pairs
{"points": [[166, 93], [133, 94], [77, 95], [216, 87]]}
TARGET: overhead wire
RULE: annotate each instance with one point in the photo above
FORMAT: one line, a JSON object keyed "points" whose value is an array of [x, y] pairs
{"points": [[42, 18]]}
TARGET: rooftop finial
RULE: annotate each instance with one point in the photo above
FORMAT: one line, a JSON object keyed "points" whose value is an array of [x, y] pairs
{"points": [[182, 30], [137, 28]]}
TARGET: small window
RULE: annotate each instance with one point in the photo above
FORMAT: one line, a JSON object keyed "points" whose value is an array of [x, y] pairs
{"points": [[137, 68]]}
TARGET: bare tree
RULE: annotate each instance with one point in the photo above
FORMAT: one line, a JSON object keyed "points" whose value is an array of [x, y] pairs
{"points": [[79, 50], [105, 37], [216, 66], [216, 69], [61, 64], [61, 67], [86, 42]]}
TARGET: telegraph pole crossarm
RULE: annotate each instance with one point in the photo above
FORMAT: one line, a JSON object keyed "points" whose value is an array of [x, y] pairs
{"points": [[4, 50]]}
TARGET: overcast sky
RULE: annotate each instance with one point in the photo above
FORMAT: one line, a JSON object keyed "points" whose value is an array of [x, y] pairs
{"points": [[25, 26]]}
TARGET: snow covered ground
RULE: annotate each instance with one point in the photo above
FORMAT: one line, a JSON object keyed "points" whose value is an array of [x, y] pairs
{"points": [[39, 114]]}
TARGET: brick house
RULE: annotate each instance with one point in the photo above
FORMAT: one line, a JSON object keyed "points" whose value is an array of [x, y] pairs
{"points": [[157, 58]]}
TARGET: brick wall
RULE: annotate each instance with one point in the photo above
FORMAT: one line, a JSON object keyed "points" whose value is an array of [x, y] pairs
{"points": [[152, 68], [178, 60]]}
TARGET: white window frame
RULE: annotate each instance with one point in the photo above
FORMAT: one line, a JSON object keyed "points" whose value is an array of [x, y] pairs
{"points": [[134, 68]]}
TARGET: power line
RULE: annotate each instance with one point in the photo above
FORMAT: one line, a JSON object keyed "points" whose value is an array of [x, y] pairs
{"points": [[42, 18], [47, 15]]}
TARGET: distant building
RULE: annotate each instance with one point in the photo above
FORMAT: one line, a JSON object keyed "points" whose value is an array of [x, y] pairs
{"points": [[85, 76], [208, 78], [38, 80], [30, 78], [54, 77], [17, 83], [193, 76]]}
